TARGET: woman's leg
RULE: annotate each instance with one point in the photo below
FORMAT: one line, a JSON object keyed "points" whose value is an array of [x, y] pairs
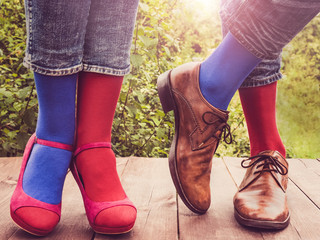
{"points": [[97, 100], [47, 166], [36, 203], [54, 54], [106, 61]]}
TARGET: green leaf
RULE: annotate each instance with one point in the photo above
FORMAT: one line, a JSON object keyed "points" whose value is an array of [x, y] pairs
{"points": [[29, 117], [136, 60], [167, 51], [22, 139]]}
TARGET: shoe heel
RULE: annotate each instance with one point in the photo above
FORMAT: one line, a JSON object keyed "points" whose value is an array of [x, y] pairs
{"points": [[164, 92]]}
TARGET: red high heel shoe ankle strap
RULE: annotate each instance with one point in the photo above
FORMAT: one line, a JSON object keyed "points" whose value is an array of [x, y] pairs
{"points": [[53, 144], [90, 146]]}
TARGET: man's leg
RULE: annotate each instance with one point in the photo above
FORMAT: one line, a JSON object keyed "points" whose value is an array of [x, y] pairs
{"points": [[261, 200], [197, 137]]}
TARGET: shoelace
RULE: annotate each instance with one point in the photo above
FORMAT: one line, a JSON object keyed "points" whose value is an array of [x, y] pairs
{"points": [[224, 127], [267, 162]]}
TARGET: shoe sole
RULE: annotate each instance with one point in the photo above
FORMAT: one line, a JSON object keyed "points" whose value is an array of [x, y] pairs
{"points": [[168, 104], [271, 225], [27, 228], [112, 231]]}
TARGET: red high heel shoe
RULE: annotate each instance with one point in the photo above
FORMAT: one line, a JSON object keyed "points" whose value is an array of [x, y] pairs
{"points": [[94, 208], [46, 216]]}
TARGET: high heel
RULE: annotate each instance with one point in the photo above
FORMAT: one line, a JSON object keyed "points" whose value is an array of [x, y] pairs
{"points": [[164, 91], [47, 218], [93, 208]]}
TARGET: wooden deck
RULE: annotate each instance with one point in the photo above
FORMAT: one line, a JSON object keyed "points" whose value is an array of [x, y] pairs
{"points": [[162, 215]]}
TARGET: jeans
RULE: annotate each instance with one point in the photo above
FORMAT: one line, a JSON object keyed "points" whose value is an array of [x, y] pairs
{"points": [[264, 27], [65, 37], [267, 71]]}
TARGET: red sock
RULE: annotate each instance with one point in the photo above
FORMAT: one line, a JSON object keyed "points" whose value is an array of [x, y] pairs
{"points": [[259, 107], [97, 100]]}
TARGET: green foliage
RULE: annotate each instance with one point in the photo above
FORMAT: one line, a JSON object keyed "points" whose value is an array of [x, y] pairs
{"points": [[140, 127], [168, 33], [17, 95], [298, 97]]}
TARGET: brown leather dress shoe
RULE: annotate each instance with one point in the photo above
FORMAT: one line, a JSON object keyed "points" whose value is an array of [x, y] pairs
{"points": [[198, 129], [261, 201]]}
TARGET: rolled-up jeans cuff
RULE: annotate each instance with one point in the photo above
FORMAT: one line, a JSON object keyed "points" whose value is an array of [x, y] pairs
{"points": [[106, 70], [52, 72], [75, 69], [258, 83]]}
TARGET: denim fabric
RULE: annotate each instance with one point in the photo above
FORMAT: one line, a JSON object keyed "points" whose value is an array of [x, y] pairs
{"points": [[65, 37], [267, 71], [264, 27]]}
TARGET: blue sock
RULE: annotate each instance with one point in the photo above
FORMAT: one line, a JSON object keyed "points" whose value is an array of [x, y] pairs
{"points": [[47, 166], [223, 72]]}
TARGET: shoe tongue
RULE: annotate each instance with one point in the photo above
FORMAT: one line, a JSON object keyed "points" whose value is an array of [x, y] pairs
{"points": [[268, 152], [266, 165]]}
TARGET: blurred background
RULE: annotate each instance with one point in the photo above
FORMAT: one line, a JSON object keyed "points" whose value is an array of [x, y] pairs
{"points": [[168, 33]]}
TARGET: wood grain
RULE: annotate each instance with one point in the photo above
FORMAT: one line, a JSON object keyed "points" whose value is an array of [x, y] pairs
{"points": [[218, 222], [148, 184]]}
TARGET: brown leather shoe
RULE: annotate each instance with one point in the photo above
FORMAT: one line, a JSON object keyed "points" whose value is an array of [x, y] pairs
{"points": [[261, 201], [198, 129]]}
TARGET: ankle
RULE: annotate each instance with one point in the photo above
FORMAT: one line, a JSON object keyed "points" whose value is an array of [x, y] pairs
{"points": [[45, 173], [98, 171], [255, 150]]}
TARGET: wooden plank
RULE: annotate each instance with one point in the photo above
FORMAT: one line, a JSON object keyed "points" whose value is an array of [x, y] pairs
{"points": [[218, 222], [9, 173], [148, 185], [10, 168], [311, 164], [305, 216], [7, 227], [305, 174]]}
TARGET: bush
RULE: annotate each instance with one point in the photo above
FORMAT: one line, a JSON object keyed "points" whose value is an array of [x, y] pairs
{"points": [[167, 34], [298, 97], [17, 94]]}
